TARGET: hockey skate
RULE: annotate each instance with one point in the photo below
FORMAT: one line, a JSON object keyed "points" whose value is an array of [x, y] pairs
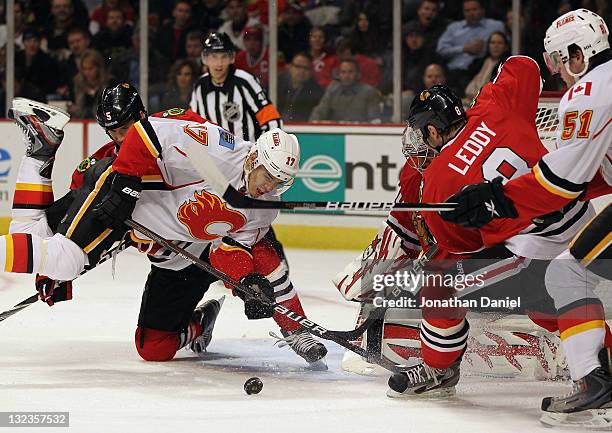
{"points": [[42, 125], [589, 405], [206, 314], [426, 381], [304, 345]]}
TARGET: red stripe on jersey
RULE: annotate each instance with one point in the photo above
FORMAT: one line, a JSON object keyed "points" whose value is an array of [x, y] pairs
{"points": [[21, 253], [579, 315], [40, 198]]}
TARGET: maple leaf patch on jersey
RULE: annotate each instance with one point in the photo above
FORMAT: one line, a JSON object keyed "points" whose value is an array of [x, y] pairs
{"points": [[207, 217]]}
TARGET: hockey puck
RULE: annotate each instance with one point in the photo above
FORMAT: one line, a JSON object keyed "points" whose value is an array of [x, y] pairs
{"points": [[253, 385]]}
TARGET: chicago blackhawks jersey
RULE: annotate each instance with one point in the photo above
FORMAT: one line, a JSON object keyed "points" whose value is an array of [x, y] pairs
{"points": [[583, 159], [176, 202], [499, 139]]}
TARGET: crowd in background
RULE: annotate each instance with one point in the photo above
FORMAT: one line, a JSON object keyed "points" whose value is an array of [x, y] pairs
{"points": [[335, 56]]}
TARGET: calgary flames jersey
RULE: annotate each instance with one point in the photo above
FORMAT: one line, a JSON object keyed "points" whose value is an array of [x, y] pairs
{"points": [[583, 159], [499, 139], [176, 202]]}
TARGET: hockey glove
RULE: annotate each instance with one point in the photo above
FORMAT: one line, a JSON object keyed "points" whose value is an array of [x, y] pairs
{"points": [[117, 205], [255, 306], [52, 291], [480, 203]]}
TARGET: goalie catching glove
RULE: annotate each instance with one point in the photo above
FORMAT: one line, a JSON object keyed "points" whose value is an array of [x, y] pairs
{"points": [[257, 306], [479, 204], [52, 291]]}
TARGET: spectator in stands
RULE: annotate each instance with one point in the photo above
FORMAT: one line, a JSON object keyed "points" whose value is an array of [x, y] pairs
{"points": [[430, 23], [39, 70], [238, 20], [208, 14], [126, 67], [170, 38], [498, 51], [178, 90], [365, 39], [323, 61], [116, 35], [416, 58], [20, 26], [193, 48], [348, 99], [298, 92], [464, 41], [62, 19], [432, 75], [99, 14], [255, 58], [370, 71], [379, 11], [88, 84], [78, 42], [293, 32]]}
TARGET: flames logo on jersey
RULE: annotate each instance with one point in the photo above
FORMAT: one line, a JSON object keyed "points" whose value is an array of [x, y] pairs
{"points": [[207, 217]]}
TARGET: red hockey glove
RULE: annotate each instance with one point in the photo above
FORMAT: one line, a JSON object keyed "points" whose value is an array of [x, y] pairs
{"points": [[52, 291]]}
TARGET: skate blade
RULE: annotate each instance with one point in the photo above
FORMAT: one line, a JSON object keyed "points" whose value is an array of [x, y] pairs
{"points": [[592, 419], [51, 116], [319, 365], [440, 393]]}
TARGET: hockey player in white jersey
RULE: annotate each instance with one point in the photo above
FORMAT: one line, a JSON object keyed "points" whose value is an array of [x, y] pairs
{"points": [[264, 169], [578, 49]]}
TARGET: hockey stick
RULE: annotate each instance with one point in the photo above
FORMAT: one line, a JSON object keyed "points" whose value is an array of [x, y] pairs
{"points": [[32, 299], [337, 337], [207, 168]]}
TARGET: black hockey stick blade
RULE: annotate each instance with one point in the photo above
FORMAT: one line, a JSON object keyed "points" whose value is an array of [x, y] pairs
{"points": [[17, 308], [241, 201]]}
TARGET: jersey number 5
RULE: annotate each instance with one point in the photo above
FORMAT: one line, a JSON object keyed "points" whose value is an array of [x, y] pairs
{"points": [[569, 124]]}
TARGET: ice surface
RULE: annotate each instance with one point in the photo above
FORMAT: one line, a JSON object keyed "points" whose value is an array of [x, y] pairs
{"points": [[79, 356]]}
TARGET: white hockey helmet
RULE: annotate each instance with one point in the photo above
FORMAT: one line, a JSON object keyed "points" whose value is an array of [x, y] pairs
{"points": [[279, 153], [582, 27]]}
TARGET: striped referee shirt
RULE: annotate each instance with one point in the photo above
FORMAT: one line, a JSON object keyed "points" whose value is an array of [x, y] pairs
{"points": [[240, 105]]}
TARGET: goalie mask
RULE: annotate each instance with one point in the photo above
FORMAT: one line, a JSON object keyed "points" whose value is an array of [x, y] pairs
{"points": [[582, 28], [279, 153]]}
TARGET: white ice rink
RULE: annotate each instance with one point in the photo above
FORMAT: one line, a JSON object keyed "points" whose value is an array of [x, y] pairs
{"points": [[79, 356]]}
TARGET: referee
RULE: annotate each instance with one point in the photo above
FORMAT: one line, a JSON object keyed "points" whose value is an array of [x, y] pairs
{"points": [[234, 99], [230, 97]]}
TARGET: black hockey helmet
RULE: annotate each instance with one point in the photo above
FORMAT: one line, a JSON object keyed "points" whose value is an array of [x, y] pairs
{"points": [[118, 105], [437, 106], [218, 42]]}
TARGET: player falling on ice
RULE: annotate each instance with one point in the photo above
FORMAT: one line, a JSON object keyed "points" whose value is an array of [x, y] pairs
{"points": [[498, 137], [177, 204], [578, 49]]}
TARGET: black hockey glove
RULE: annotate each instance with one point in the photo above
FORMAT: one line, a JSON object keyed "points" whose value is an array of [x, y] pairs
{"points": [[52, 291], [255, 307], [118, 204], [480, 203]]}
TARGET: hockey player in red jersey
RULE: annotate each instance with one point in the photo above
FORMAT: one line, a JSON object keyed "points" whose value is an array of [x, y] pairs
{"points": [[163, 330], [497, 138], [577, 48]]}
